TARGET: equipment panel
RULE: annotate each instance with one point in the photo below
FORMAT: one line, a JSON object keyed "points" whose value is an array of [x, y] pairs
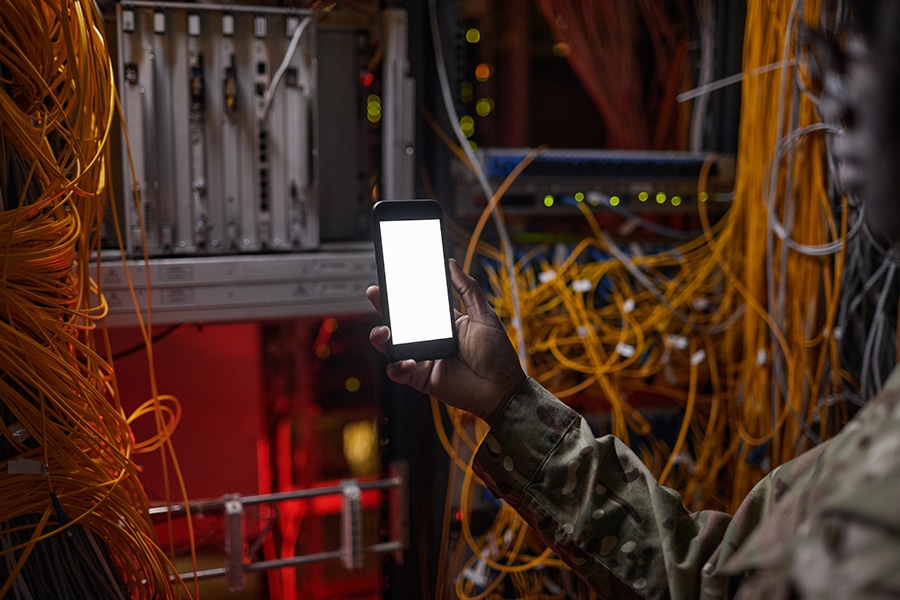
{"points": [[556, 179], [219, 111]]}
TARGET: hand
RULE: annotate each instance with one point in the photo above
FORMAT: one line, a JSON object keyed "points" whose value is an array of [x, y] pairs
{"points": [[485, 370]]}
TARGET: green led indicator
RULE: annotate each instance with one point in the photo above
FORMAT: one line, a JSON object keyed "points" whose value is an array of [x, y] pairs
{"points": [[467, 126], [676, 200], [484, 106], [579, 196], [660, 198], [704, 196], [614, 200], [548, 200], [643, 196]]}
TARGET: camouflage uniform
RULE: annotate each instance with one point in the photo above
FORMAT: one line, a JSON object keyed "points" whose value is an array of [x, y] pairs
{"points": [[825, 525]]}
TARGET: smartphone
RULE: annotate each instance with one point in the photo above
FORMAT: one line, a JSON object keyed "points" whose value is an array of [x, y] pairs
{"points": [[414, 278]]}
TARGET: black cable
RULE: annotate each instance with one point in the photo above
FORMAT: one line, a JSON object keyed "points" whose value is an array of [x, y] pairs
{"points": [[168, 332]]}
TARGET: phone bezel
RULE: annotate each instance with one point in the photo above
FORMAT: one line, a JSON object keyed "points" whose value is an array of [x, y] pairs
{"points": [[409, 210]]}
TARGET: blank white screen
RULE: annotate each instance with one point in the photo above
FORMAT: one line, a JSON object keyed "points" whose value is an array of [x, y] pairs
{"points": [[415, 280]]}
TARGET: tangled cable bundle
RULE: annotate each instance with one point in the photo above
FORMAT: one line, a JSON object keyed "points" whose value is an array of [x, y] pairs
{"points": [[737, 327], [73, 518]]}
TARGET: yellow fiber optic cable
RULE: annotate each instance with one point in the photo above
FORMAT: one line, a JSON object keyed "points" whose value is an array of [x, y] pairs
{"points": [[66, 447], [736, 327]]}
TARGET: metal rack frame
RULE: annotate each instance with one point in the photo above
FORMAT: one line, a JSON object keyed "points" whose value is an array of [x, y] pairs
{"points": [[351, 552]]}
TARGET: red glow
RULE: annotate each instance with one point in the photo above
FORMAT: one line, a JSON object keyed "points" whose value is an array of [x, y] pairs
{"points": [[334, 503]]}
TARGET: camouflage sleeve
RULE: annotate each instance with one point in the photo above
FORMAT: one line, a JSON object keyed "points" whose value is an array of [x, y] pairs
{"points": [[832, 531], [595, 503]]}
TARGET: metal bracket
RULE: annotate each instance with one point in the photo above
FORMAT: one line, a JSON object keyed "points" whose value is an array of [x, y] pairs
{"points": [[351, 525], [234, 543]]}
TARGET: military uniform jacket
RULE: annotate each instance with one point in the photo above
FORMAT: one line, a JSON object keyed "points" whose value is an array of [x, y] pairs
{"points": [[825, 525]]}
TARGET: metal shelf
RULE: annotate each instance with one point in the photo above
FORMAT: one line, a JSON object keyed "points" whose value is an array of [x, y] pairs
{"points": [[330, 281]]}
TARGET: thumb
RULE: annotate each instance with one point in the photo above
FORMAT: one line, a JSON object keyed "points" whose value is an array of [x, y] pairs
{"points": [[472, 297]]}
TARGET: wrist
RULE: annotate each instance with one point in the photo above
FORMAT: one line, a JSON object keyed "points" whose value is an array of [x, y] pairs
{"points": [[491, 417]]}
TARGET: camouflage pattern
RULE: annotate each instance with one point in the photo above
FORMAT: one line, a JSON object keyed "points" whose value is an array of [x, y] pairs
{"points": [[825, 525]]}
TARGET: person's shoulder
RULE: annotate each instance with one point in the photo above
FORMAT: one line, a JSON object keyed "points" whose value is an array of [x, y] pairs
{"points": [[863, 463]]}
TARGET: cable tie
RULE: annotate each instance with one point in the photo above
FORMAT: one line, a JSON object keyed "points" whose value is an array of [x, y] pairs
{"points": [[582, 285], [762, 356], [679, 342], [838, 333], [492, 549], [546, 276], [625, 350], [19, 433], [477, 575], [27, 466], [628, 306], [698, 357], [700, 303], [582, 331]]}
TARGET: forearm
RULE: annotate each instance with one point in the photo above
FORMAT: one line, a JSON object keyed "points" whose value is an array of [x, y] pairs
{"points": [[594, 502]]}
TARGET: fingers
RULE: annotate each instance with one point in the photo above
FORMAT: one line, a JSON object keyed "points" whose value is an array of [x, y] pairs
{"points": [[380, 334], [476, 304], [411, 373], [373, 293], [402, 372], [379, 337]]}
